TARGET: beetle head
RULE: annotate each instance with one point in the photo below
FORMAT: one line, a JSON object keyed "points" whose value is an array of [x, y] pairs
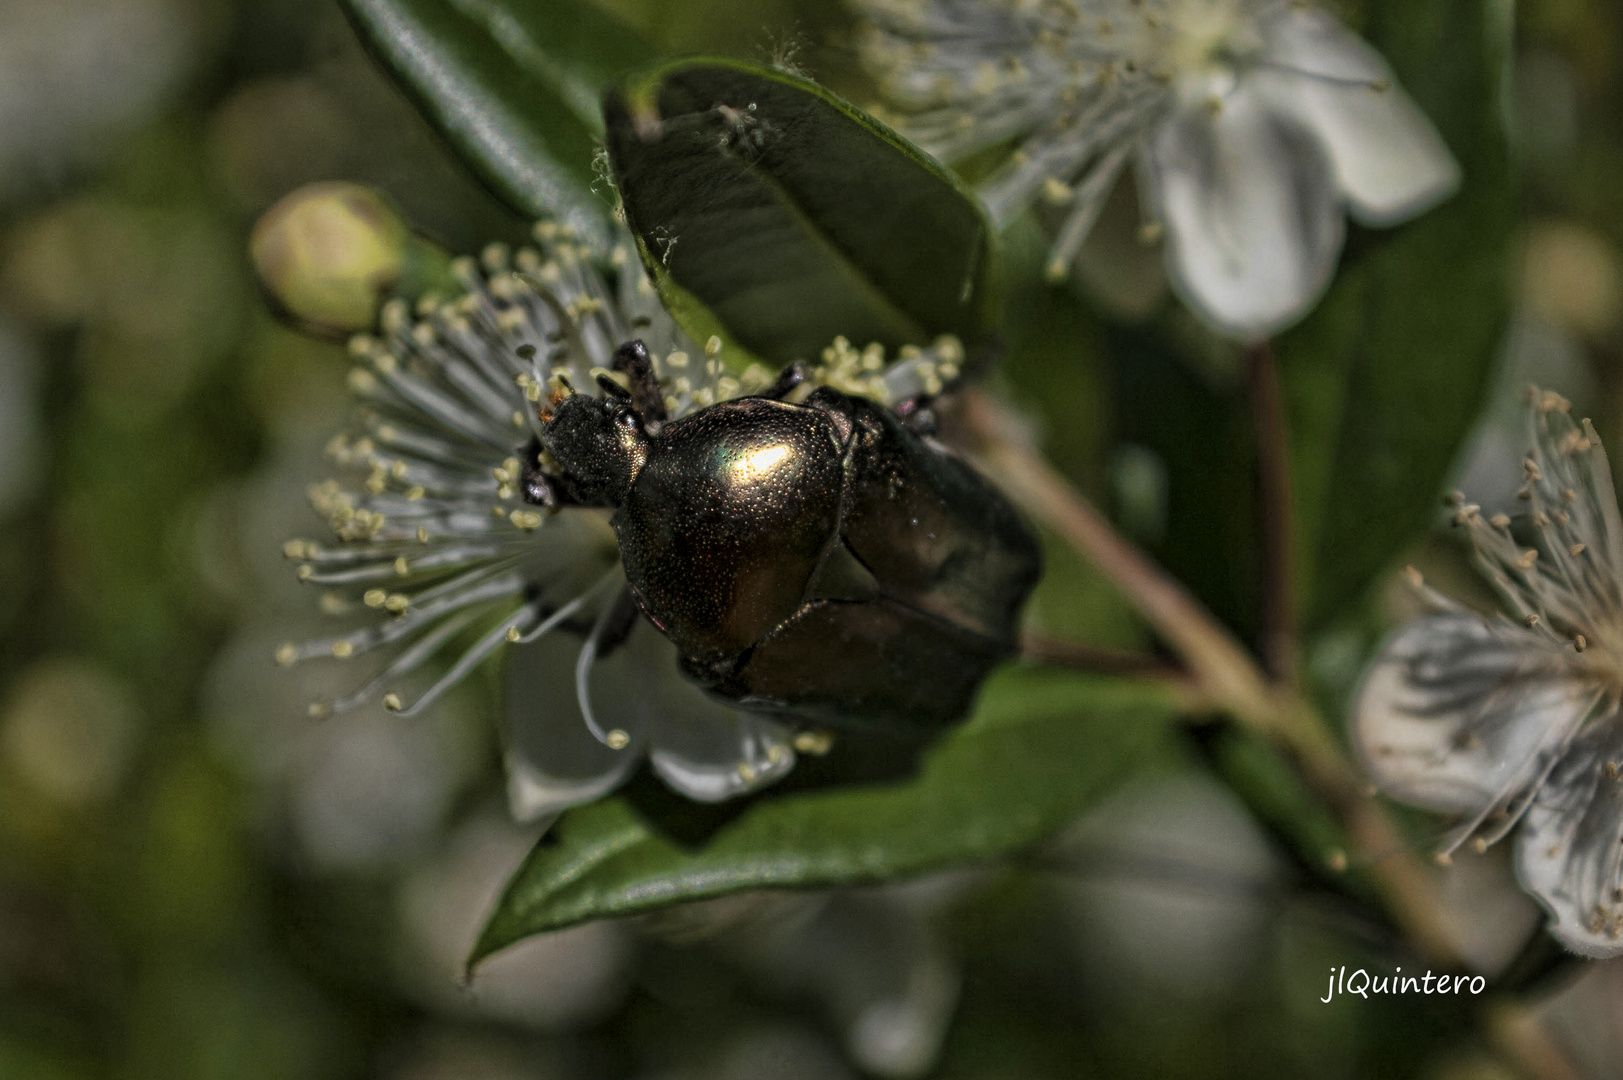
{"points": [[600, 444]]}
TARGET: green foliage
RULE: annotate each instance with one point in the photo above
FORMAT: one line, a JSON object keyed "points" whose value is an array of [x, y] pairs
{"points": [[1381, 382], [1042, 747], [792, 215], [512, 86], [1385, 380]]}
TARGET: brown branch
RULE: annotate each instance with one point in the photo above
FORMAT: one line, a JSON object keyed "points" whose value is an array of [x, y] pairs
{"points": [[1275, 518], [1220, 668], [1042, 649], [1047, 650], [1214, 658]]}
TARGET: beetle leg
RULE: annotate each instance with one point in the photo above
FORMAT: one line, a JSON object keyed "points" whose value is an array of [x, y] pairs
{"points": [[791, 377], [619, 625], [647, 396], [536, 487]]}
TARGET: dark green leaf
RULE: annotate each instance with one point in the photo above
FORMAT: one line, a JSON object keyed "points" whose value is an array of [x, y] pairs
{"points": [[1381, 382], [792, 215], [1384, 382], [1041, 747], [512, 84]]}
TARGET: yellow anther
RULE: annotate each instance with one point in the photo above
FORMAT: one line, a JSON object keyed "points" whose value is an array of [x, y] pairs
{"points": [[815, 743]]}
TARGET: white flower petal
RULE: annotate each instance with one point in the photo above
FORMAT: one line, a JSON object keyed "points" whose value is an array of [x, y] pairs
{"points": [[1459, 713], [553, 760], [702, 748], [714, 753], [1390, 163], [1569, 852], [1253, 220]]}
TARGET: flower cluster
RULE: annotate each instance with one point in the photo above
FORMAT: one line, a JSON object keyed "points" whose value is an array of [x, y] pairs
{"points": [[1518, 721], [1252, 123], [440, 548]]}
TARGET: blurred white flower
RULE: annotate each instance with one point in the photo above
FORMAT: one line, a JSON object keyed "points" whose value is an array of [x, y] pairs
{"points": [[449, 540], [74, 73], [1515, 721], [566, 979], [69, 728], [1253, 122], [871, 959]]}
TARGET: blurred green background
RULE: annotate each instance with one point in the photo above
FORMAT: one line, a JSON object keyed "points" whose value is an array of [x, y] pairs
{"points": [[198, 882]]}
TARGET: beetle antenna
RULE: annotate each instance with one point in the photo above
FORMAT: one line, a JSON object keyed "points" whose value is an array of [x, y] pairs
{"points": [[612, 389], [791, 377]]}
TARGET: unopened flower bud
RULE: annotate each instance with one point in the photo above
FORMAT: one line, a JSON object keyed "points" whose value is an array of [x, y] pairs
{"points": [[330, 253]]}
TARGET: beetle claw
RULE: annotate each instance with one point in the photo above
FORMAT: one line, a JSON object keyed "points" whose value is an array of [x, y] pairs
{"points": [[791, 377]]}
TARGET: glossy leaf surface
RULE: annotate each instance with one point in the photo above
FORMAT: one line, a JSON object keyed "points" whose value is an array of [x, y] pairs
{"points": [[791, 215], [1042, 747], [511, 84]]}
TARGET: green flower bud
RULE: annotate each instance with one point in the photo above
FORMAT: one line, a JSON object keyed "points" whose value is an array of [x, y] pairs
{"points": [[330, 253]]}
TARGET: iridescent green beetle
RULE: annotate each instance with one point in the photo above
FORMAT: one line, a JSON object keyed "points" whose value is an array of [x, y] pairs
{"points": [[817, 560]]}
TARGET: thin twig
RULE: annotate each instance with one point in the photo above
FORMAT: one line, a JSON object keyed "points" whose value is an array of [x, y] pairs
{"points": [[1214, 658], [1274, 505], [1041, 649], [1047, 650], [1219, 666]]}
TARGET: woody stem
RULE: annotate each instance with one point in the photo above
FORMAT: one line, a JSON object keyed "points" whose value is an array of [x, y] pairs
{"points": [[1274, 499], [1223, 672]]}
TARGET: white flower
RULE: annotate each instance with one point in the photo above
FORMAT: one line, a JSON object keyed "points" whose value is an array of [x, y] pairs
{"points": [[1252, 122], [441, 551], [1516, 722]]}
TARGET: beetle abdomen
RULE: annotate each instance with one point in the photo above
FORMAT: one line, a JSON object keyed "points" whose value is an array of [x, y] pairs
{"points": [[936, 536], [865, 663]]}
